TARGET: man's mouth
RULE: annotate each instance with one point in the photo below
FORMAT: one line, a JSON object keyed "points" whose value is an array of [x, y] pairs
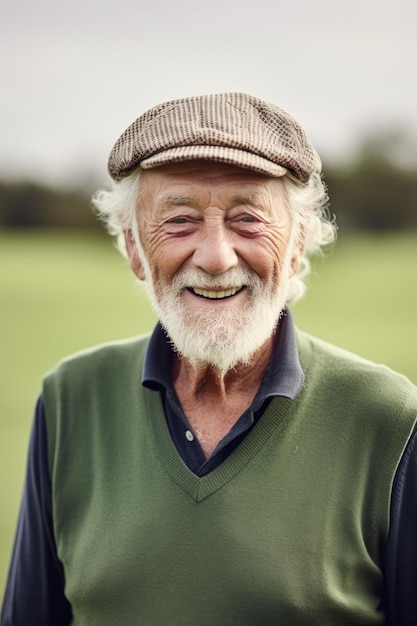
{"points": [[212, 294]]}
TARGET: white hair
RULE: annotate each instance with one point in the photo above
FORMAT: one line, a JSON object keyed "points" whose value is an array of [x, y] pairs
{"points": [[308, 205], [315, 227]]}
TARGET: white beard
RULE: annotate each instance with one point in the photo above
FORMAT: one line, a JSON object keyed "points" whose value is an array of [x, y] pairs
{"points": [[229, 336]]}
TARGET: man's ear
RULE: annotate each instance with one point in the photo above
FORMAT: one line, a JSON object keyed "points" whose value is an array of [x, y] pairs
{"points": [[132, 253], [298, 253]]}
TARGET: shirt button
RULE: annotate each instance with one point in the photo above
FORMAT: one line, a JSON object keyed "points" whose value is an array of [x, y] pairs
{"points": [[189, 435]]}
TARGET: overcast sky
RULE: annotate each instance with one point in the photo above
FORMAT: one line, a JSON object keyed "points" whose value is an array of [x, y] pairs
{"points": [[75, 74]]}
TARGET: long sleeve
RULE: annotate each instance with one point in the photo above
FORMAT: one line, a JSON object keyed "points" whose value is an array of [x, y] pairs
{"points": [[401, 550], [35, 588]]}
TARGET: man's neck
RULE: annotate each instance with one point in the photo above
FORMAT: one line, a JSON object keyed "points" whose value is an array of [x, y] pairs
{"points": [[213, 402], [207, 380]]}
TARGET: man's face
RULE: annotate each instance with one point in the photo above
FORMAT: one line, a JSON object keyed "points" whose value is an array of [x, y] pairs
{"points": [[218, 255]]}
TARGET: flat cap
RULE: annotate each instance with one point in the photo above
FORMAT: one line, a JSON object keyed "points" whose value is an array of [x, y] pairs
{"points": [[233, 128]]}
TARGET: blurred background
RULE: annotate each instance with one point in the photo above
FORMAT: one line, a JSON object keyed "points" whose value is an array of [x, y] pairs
{"points": [[75, 75]]}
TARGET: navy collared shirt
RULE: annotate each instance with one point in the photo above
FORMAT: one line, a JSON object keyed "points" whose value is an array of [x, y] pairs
{"points": [[282, 377]]}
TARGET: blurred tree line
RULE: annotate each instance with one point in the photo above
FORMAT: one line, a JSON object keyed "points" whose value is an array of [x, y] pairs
{"points": [[376, 191]]}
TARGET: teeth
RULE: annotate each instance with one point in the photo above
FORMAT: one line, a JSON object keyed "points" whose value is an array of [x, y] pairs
{"points": [[216, 295]]}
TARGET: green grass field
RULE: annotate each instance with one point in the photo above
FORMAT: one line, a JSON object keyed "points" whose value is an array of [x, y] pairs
{"points": [[62, 292]]}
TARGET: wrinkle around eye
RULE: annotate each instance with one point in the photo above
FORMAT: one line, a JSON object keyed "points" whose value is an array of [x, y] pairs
{"points": [[248, 225], [251, 216], [179, 226]]}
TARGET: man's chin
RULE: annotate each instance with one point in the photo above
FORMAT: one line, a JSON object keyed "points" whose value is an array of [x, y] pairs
{"points": [[224, 353]]}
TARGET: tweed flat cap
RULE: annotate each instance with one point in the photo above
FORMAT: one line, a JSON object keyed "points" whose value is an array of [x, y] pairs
{"points": [[233, 128]]}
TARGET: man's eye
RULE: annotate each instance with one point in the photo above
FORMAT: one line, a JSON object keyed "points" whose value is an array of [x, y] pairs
{"points": [[249, 219], [178, 220]]}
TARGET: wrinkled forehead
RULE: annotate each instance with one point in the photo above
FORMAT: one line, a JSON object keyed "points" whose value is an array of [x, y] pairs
{"points": [[191, 182]]}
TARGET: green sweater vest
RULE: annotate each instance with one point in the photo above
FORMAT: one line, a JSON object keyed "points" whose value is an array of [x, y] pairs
{"points": [[288, 530]]}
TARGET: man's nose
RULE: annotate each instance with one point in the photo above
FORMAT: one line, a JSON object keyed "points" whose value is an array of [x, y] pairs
{"points": [[215, 253]]}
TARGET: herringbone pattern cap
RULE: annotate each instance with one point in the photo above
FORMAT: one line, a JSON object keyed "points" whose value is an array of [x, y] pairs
{"points": [[233, 128]]}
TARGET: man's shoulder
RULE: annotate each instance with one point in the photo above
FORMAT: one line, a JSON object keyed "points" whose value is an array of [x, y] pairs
{"points": [[105, 356], [345, 368]]}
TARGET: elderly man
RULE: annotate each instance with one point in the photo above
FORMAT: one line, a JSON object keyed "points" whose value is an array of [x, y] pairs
{"points": [[228, 469]]}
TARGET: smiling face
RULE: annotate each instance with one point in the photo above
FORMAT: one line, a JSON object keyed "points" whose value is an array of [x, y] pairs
{"points": [[217, 256]]}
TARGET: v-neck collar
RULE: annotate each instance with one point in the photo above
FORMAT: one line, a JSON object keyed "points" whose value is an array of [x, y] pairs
{"points": [[200, 488]]}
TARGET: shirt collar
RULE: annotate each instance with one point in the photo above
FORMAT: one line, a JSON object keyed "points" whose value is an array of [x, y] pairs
{"points": [[283, 375]]}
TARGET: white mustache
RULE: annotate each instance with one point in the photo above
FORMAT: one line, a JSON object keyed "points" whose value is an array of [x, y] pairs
{"points": [[235, 277]]}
